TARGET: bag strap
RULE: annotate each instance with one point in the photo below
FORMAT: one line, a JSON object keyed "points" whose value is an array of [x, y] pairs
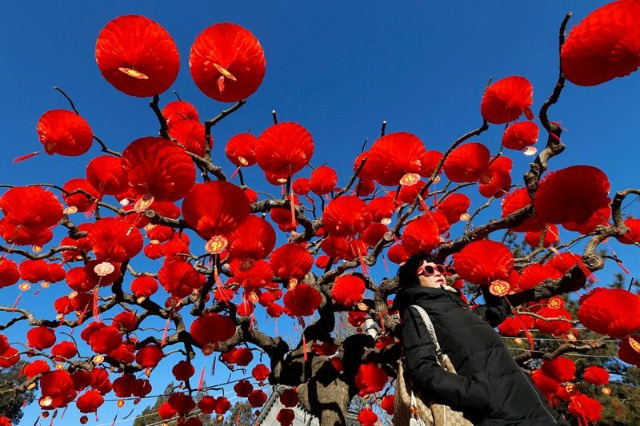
{"points": [[429, 325]]}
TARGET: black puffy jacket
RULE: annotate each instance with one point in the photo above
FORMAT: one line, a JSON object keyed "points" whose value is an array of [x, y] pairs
{"points": [[490, 389]]}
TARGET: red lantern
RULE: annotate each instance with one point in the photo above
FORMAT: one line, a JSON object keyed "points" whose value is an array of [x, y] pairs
{"points": [[251, 274], [157, 167], [370, 379], [367, 417], [144, 286], [114, 241], [181, 402], [374, 233], [238, 356], [212, 328], [496, 180], [241, 149], [382, 209], [388, 404], [515, 201], [149, 356], [604, 45], [285, 416], [90, 401], [65, 349], [323, 180], [629, 350], [260, 372], [302, 300], [177, 111], [36, 367], [41, 338], [243, 388], [454, 207], [397, 254], [546, 384], [482, 262], [561, 369], [551, 237], [467, 162], [207, 404], [348, 289], [291, 261], [34, 270], [215, 208], [300, 186], [31, 207], [125, 321], [596, 375], [255, 238], [137, 56], [84, 199], [512, 326], [535, 274], [289, 397], [429, 163], [554, 327], [585, 408], [191, 135], [394, 156], [9, 274], [57, 389], [227, 62], [520, 135], [105, 339], [612, 312], [257, 398], [64, 132], [346, 216], [180, 279], [421, 235], [507, 99], [572, 195], [106, 174], [633, 236], [284, 149]]}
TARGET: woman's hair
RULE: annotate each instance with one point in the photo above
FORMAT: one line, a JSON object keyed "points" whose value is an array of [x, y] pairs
{"points": [[407, 272]]}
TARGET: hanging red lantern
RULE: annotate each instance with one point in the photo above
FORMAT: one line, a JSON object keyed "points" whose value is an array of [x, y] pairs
{"points": [[34, 368], [323, 180], [57, 389], [496, 180], [284, 148], [64, 350], [260, 372], [112, 240], [241, 149], [159, 168], [9, 273], [367, 417], [41, 338], [34, 270], [285, 416], [255, 238], [348, 290], [166, 411], [190, 135], [545, 384], [534, 274], [106, 174], [507, 99], [125, 321], [629, 350], [515, 201], [239, 356], [370, 379], [227, 62], [572, 194], [561, 369], [257, 398], [554, 327], [467, 162], [243, 388], [409, 193], [596, 375], [181, 402], [64, 132], [429, 164], [251, 275], [144, 286], [454, 207], [551, 237], [302, 300], [137, 56], [31, 207], [373, 233], [346, 216], [397, 254], [300, 186], [521, 135], [215, 208], [603, 46], [180, 279], [584, 408], [388, 404], [211, 329], [512, 326], [394, 156], [609, 311], [633, 235], [289, 397], [90, 401], [177, 111], [149, 356], [84, 199], [105, 339], [291, 261], [482, 262], [382, 209], [421, 235]]}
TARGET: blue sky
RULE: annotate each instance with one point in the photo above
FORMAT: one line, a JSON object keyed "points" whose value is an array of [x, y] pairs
{"points": [[337, 68]]}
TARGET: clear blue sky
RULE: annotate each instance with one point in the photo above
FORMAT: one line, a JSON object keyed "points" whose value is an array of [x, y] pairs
{"points": [[337, 68]]}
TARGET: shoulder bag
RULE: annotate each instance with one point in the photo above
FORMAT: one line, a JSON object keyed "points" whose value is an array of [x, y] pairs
{"points": [[410, 409]]}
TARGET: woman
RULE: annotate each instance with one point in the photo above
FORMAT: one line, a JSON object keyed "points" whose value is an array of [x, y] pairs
{"points": [[490, 388]]}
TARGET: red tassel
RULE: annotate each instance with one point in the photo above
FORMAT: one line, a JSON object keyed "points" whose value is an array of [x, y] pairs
{"points": [[164, 334], [201, 381], [304, 348], [623, 268], [96, 311], [386, 265], [235, 172], [15, 305], [293, 210], [381, 322], [25, 157], [365, 270]]}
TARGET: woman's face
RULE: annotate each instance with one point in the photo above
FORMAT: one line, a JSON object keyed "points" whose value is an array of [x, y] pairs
{"points": [[431, 275]]}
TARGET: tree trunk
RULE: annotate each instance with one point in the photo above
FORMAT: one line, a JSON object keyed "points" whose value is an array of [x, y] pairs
{"points": [[328, 401]]}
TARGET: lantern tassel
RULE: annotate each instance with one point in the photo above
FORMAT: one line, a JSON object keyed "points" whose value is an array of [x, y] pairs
{"points": [[201, 380], [24, 157], [292, 203], [386, 265], [15, 304], [96, 311], [164, 334], [304, 348]]}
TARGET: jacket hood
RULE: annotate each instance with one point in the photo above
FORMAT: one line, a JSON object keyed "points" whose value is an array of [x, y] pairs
{"points": [[410, 295]]}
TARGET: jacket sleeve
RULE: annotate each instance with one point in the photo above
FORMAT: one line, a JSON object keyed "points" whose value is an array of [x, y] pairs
{"points": [[495, 309], [432, 381]]}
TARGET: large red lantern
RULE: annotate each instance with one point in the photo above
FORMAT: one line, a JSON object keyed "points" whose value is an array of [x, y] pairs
{"points": [[395, 157], [90, 401], [633, 236], [323, 180], [291, 261], [255, 238], [482, 262], [31, 207], [348, 290], [106, 174], [41, 338], [284, 148], [515, 201], [86, 197], [467, 162], [158, 167], [421, 235], [180, 279], [227, 62], [585, 408], [507, 99], [454, 207], [241, 149], [191, 135], [302, 300], [9, 273], [496, 180], [177, 111], [137, 56], [346, 216], [64, 132], [521, 135], [215, 208], [612, 312], [572, 195], [212, 328], [113, 240], [561, 369], [370, 379], [604, 45], [596, 375]]}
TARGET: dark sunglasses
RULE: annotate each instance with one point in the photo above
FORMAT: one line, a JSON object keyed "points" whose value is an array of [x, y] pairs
{"points": [[429, 270]]}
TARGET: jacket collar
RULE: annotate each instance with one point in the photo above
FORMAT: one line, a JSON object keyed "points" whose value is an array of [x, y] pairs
{"points": [[410, 295]]}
